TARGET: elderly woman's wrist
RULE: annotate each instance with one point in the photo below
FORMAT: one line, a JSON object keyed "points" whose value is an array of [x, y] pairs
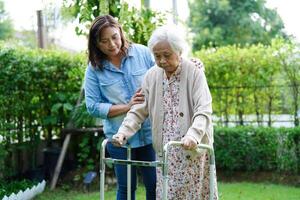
{"points": [[192, 138], [123, 135], [128, 106]]}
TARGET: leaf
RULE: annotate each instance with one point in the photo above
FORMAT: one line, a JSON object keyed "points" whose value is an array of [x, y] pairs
{"points": [[56, 107], [68, 106]]}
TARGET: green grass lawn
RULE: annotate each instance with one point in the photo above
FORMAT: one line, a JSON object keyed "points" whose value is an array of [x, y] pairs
{"points": [[227, 191]]}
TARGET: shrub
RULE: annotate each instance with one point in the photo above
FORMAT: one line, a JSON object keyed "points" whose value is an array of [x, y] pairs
{"points": [[7, 188], [258, 149], [38, 91]]}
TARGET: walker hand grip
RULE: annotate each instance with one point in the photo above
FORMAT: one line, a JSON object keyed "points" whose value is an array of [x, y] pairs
{"points": [[179, 143]]}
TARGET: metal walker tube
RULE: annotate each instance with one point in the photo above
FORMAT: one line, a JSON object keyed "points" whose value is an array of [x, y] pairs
{"points": [[102, 168], [129, 173]]}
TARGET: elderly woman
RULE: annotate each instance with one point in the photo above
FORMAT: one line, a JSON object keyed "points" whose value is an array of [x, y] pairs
{"points": [[179, 104]]}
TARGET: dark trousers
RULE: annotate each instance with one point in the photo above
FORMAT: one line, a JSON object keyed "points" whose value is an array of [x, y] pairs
{"points": [[145, 153]]}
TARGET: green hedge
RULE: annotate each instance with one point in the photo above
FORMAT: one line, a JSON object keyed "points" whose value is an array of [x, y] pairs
{"points": [[253, 80], [38, 91], [258, 149]]}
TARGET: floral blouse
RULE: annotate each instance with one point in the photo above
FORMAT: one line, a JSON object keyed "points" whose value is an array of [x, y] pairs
{"points": [[188, 173]]}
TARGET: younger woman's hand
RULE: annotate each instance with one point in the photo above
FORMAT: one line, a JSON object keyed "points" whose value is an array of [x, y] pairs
{"points": [[137, 98]]}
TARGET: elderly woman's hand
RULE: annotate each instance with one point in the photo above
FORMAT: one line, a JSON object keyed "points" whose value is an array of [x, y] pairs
{"points": [[118, 139], [189, 142]]}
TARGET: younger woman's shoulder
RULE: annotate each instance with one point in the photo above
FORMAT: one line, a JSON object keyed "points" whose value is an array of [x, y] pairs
{"points": [[139, 47]]}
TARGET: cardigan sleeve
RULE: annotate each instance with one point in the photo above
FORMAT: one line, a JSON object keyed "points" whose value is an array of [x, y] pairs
{"points": [[201, 125], [136, 115]]}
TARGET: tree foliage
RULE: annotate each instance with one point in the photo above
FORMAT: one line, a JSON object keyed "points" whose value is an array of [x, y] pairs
{"points": [[226, 22], [138, 24], [289, 55], [6, 28]]}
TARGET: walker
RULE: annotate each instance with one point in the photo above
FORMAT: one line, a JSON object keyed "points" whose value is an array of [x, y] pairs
{"points": [[163, 164]]}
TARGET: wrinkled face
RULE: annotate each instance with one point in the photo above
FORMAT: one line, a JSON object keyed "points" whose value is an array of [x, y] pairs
{"points": [[110, 42], [165, 57]]}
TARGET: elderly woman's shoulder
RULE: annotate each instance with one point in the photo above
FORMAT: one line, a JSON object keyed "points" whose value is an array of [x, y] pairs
{"points": [[153, 71], [198, 63]]}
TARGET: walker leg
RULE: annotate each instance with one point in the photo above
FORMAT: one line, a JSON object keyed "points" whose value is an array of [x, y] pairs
{"points": [[102, 169], [165, 187], [165, 173], [129, 174], [102, 175], [211, 175]]}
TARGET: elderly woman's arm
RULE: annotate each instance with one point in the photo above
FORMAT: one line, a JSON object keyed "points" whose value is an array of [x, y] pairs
{"points": [[134, 118], [201, 128], [131, 123]]}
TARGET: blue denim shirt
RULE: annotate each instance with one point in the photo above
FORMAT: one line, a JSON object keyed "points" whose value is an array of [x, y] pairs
{"points": [[113, 86]]}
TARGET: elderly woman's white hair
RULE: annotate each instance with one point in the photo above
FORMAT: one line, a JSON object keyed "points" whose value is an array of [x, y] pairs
{"points": [[173, 35]]}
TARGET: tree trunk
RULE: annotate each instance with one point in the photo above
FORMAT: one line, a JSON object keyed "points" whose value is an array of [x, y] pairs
{"points": [[296, 105], [239, 109], [20, 134], [145, 3], [226, 110], [256, 105], [270, 111]]}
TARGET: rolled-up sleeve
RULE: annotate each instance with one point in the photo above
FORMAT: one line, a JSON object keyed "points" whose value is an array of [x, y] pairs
{"points": [[93, 99]]}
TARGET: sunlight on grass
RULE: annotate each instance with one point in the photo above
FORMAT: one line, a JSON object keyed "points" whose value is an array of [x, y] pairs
{"points": [[227, 191], [60, 194], [251, 191]]}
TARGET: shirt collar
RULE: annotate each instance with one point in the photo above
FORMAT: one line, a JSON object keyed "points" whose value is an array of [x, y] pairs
{"points": [[108, 65], [130, 51]]}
